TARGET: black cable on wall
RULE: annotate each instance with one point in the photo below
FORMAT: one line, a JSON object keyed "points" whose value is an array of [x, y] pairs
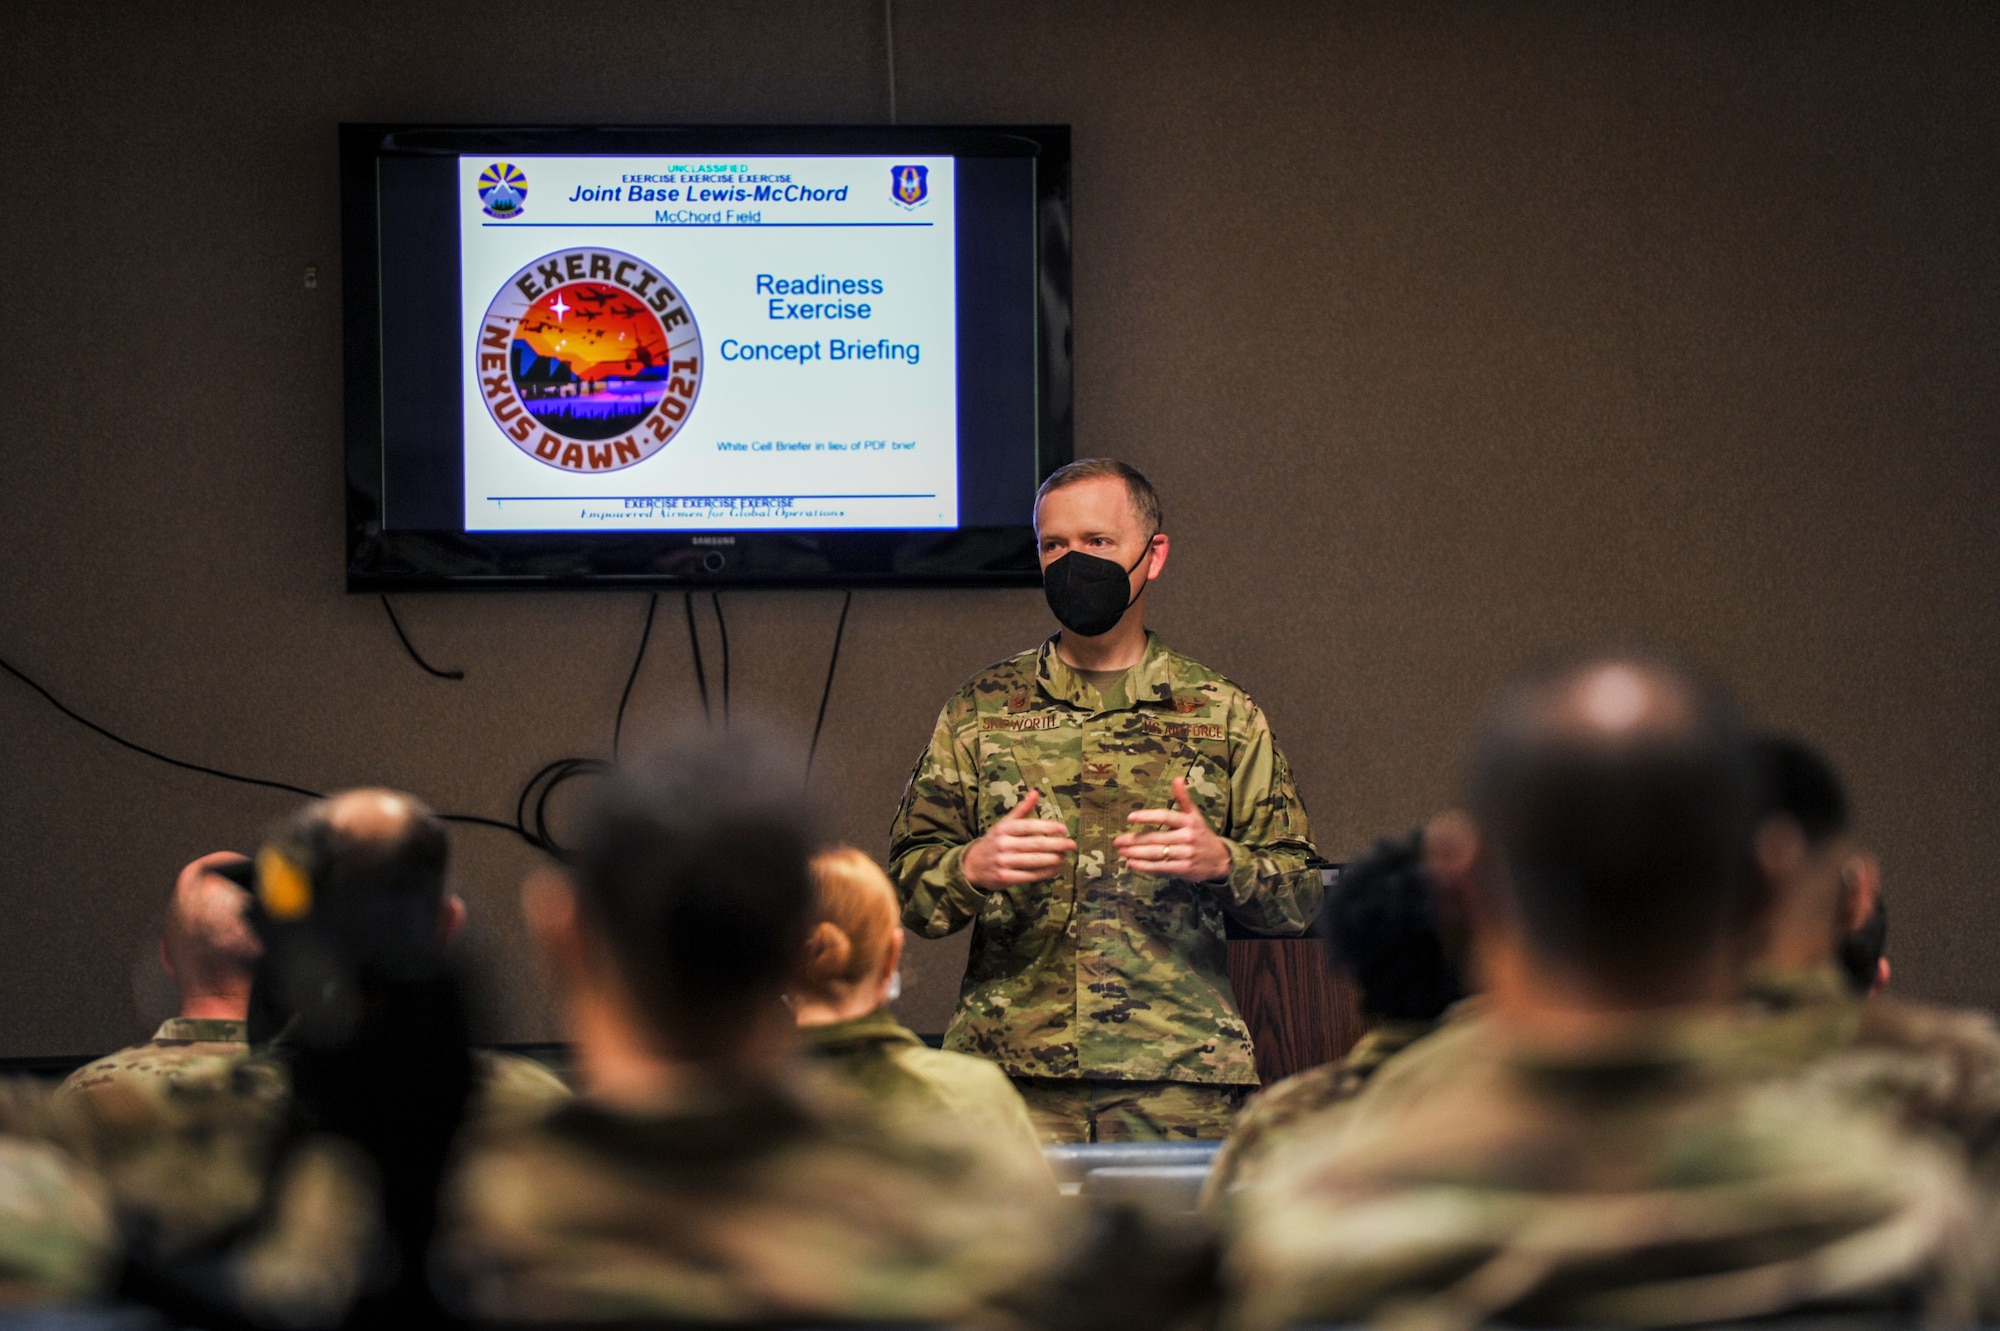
{"points": [[531, 807]]}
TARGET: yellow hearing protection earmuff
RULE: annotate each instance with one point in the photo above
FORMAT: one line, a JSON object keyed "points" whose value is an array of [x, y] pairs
{"points": [[282, 887]]}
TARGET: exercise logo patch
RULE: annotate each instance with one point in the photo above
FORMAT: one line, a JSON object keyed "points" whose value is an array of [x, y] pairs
{"points": [[503, 190], [909, 185], [589, 360]]}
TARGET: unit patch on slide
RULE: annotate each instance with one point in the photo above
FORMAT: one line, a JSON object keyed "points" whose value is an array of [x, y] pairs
{"points": [[589, 360]]}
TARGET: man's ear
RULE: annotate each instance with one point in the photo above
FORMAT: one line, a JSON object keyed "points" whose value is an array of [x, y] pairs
{"points": [[451, 917], [1156, 555]]}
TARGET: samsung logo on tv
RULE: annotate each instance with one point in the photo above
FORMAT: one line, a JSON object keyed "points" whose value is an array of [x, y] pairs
{"points": [[713, 540]]}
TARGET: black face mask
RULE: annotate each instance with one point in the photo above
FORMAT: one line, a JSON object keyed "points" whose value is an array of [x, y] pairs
{"points": [[1089, 595]]}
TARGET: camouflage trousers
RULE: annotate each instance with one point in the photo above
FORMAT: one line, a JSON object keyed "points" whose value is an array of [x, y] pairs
{"points": [[1076, 1109]]}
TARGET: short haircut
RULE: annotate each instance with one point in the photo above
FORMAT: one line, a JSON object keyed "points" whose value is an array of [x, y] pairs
{"points": [[855, 917], [691, 870], [1799, 783], [1618, 798], [1382, 931], [1145, 499], [208, 937]]}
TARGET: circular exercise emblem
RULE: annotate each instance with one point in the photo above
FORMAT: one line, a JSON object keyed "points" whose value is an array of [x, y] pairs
{"points": [[503, 190], [589, 360]]}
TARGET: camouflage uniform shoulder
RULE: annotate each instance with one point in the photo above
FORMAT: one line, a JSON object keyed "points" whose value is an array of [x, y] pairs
{"points": [[1266, 1116], [959, 1076], [1936, 1068], [887, 1064], [1335, 1082], [1009, 678], [790, 1201], [1968, 1034], [185, 1158], [1280, 1105], [984, 1099], [1463, 1038], [157, 1065], [1567, 1187], [57, 1236], [1277, 1110], [512, 1088], [1189, 672]]}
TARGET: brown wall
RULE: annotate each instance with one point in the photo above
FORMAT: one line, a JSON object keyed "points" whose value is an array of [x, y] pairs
{"points": [[1453, 334]]}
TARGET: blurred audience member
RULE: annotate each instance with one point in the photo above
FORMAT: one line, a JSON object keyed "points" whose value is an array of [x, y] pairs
{"points": [[1824, 886], [1592, 1146], [181, 1127], [187, 1134], [355, 914], [1936, 1068], [840, 1002], [1384, 935], [210, 951], [706, 1172]]}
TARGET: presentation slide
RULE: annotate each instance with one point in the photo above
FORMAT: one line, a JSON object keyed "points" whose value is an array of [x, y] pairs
{"points": [[744, 344]]}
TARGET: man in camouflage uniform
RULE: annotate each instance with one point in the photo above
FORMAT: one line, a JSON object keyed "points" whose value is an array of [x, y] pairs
{"points": [[1601, 1142], [1093, 808], [183, 1127], [210, 951], [708, 1173], [1384, 934], [1936, 1069]]}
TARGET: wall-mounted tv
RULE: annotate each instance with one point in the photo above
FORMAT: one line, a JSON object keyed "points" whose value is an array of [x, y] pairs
{"points": [[720, 355]]}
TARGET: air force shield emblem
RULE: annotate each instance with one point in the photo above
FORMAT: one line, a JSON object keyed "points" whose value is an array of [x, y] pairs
{"points": [[909, 186]]}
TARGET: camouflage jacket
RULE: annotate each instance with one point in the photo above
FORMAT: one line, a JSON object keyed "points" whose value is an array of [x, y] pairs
{"points": [[886, 1062], [787, 1201], [1273, 1113], [1936, 1069], [1667, 1179], [1101, 971], [185, 1050], [58, 1242], [184, 1128]]}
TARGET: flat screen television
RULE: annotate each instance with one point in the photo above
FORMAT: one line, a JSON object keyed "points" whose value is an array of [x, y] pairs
{"points": [[701, 355]]}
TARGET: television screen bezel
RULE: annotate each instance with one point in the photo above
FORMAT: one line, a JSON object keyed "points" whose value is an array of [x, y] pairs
{"points": [[393, 560]]}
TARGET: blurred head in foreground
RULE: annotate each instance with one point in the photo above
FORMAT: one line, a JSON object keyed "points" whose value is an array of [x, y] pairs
{"points": [[856, 942], [1384, 933], [708, 1175], [679, 926], [1605, 850], [208, 947], [1825, 889], [373, 862], [352, 894]]}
